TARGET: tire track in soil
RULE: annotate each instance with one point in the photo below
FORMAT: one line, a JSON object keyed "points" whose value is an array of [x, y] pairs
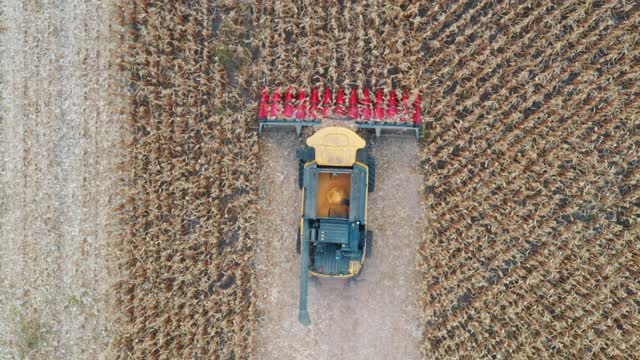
{"points": [[375, 318]]}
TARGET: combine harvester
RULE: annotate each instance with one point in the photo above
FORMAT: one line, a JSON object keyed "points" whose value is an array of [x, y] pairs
{"points": [[361, 111], [336, 173]]}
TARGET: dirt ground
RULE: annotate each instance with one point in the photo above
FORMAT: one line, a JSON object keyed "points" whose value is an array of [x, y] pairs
{"points": [[59, 133], [376, 317]]}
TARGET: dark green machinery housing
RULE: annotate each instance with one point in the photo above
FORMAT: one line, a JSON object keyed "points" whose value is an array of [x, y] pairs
{"points": [[336, 174]]}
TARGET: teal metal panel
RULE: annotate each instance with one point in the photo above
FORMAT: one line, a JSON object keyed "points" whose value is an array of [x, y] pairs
{"points": [[333, 231], [330, 260], [310, 185], [299, 124], [357, 203], [354, 238]]}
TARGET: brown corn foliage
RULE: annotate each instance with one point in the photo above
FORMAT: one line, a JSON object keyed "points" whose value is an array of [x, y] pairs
{"points": [[531, 179], [186, 280], [530, 162], [530, 165]]}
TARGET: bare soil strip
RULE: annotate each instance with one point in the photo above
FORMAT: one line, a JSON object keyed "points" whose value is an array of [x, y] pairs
{"points": [[59, 132], [376, 317]]}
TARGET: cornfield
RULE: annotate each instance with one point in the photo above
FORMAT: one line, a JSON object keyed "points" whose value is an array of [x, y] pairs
{"points": [[530, 165], [531, 175], [185, 258]]}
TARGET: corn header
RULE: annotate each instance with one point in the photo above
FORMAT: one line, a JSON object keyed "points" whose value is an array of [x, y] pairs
{"points": [[363, 111]]}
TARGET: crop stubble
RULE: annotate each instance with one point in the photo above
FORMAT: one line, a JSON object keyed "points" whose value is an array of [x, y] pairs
{"points": [[59, 136]]}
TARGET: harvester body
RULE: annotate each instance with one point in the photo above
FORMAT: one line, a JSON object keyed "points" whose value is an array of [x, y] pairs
{"points": [[336, 173]]}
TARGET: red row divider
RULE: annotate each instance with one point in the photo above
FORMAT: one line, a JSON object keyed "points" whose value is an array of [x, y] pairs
{"points": [[358, 109]]}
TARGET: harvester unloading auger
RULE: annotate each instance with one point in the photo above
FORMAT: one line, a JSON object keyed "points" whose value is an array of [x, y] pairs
{"points": [[361, 110], [336, 173]]}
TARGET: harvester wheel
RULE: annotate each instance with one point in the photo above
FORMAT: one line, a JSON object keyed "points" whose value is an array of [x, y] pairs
{"points": [[362, 155], [298, 242], [304, 155], [372, 174], [369, 243]]}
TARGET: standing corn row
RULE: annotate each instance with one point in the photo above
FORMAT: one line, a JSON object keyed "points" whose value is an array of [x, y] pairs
{"points": [[185, 290]]}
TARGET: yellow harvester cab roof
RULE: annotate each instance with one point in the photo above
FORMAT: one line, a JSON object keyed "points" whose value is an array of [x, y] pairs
{"points": [[336, 146]]}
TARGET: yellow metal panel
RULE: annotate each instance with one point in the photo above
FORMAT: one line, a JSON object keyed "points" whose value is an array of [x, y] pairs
{"points": [[354, 267], [342, 276], [336, 146]]}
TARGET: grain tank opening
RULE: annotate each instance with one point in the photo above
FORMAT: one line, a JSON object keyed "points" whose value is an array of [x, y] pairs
{"points": [[334, 190]]}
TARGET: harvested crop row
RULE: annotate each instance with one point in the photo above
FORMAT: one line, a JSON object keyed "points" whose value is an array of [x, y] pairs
{"points": [[60, 137], [186, 280]]}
